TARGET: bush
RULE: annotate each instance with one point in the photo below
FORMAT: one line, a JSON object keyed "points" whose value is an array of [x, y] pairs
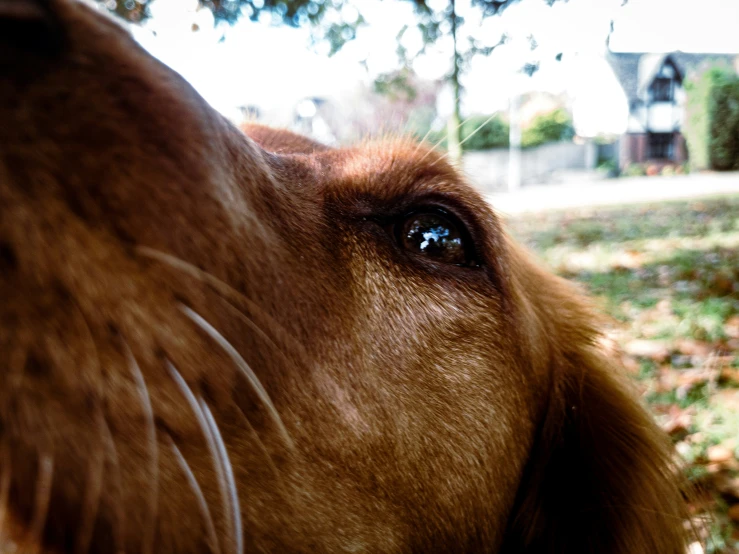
{"points": [[551, 127], [634, 170], [609, 168], [479, 132], [700, 124], [724, 137]]}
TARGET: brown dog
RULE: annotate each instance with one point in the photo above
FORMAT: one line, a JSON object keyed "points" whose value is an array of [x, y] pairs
{"points": [[210, 343]]}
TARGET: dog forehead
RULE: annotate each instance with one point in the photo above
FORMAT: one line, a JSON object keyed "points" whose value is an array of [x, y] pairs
{"points": [[394, 173]]}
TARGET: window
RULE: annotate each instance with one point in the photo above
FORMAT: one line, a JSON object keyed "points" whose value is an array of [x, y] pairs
{"points": [[660, 146], [661, 90]]}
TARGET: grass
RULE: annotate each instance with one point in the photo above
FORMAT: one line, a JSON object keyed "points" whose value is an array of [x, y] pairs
{"points": [[668, 274]]}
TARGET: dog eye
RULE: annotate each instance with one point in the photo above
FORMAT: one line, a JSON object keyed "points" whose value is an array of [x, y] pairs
{"points": [[436, 236]]}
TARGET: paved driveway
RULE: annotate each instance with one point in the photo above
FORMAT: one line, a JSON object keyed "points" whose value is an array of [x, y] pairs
{"points": [[629, 190]]}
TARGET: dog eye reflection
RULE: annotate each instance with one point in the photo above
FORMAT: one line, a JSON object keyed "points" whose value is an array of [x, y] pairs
{"points": [[434, 236]]}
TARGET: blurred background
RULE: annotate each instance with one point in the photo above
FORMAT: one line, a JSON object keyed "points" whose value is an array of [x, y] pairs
{"points": [[605, 131]]}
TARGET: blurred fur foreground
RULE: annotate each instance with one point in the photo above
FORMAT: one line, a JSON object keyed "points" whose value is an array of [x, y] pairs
{"points": [[215, 343]]}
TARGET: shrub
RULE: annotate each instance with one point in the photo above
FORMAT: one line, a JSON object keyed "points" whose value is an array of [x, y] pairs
{"points": [[634, 170], [724, 131], [700, 121], [480, 132], [551, 127]]}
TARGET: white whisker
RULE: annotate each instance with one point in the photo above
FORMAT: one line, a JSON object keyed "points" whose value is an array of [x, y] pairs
{"points": [[238, 535], [262, 448], [92, 495], [198, 492], [209, 439], [148, 537], [243, 366], [197, 273], [120, 520], [479, 127], [254, 327], [42, 499], [91, 499]]}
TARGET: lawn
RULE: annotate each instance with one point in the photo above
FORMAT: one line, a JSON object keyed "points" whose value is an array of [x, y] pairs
{"points": [[668, 274]]}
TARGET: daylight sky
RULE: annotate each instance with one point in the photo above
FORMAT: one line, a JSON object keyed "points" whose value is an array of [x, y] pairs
{"points": [[273, 67]]}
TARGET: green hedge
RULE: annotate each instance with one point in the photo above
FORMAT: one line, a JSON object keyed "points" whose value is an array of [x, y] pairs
{"points": [[550, 127], [725, 126], [482, 132], [712, 119], [479, 132]]}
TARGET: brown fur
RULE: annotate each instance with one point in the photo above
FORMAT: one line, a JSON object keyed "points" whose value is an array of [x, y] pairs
{"points": [[150, 252]]}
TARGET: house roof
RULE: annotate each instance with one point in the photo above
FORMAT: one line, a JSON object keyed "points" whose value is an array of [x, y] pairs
{"points": [[635, 70]]}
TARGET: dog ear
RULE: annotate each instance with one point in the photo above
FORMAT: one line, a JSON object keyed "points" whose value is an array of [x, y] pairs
{"points": [[281, 141], [601, 477]]}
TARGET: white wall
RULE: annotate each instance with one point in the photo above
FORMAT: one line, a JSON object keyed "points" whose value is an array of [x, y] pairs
{"points": [[662, 117], [488, 170]]}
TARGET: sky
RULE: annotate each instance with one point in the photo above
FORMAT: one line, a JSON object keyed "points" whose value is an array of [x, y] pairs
{"points": [[273, 67]]}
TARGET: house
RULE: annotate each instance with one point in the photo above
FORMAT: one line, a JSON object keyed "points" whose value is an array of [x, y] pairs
{"points": [[653, 84]]}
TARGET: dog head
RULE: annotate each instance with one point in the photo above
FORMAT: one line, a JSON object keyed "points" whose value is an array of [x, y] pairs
{"points": [[218, 342]]}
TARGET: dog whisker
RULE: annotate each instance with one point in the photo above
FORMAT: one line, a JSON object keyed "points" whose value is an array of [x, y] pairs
{"points": [[246, 370], [93, 492], [151, 432], [266, 338], [421, 143], [41, 499], [238, 533], [120, 516], [210, 441], [477, 130], [217, 284], [198, 492], [91, 499], [258, 441]]}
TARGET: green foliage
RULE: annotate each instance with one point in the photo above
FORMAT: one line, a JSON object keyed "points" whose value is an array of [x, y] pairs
{"points": [[634, 170], [480, 132], [724, 120], [608, 166], [296, 13], [396, 85], [700, 121], [551, 127]]}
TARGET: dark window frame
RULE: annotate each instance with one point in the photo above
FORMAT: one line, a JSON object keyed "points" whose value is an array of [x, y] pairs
{"points": [[662, 89], [661, 146]]}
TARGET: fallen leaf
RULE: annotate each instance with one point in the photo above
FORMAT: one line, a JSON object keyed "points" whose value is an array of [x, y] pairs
{"points": [[678, 421], [652, 349], [731, 327], [691, 347], [719, 453], [728, 486]]}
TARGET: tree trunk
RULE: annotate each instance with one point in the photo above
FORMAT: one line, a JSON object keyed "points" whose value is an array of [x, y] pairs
{"points": [[454, 122]]}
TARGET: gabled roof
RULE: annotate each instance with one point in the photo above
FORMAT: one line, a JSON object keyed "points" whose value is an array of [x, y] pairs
{"points": [[635, 70]]}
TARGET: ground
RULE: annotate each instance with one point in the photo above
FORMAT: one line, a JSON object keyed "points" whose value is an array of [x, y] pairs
{"points": [[668, 274]]}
